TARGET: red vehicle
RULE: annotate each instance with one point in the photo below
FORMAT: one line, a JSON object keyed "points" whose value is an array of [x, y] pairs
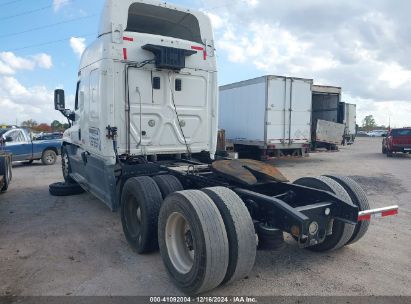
{"points": [[397, 140]]}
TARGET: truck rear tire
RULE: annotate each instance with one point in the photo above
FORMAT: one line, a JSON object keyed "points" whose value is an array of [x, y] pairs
{"points": [[193, 241], [49, 157], [240, 232], [341, 232], [140, 205], [359, 198], [168, 184], [64, 189]]}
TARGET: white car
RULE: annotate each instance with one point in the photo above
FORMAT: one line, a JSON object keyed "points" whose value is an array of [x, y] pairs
{"points": [[377, 133]]}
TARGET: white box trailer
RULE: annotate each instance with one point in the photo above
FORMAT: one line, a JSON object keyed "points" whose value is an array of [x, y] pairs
{"points": [[327, 105], [269, 115], [350, 122]]}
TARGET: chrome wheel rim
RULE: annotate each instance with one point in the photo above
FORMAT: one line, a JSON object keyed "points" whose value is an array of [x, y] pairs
{"points": [[179, 242], [49, 158]]}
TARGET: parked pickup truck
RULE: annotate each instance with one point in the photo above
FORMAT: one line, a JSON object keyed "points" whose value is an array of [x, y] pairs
{"points": [[18, 142], [397, 140]]}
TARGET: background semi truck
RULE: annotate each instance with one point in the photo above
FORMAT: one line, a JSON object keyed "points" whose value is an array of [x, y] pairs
{"points": [[143, 140], [267, 116], [333, 121]]}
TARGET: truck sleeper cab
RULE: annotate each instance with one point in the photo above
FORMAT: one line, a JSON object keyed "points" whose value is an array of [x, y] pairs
{"points": [[143, 139]]}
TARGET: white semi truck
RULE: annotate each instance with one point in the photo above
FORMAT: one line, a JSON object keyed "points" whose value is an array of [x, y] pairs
{"points": [[143, 137]]}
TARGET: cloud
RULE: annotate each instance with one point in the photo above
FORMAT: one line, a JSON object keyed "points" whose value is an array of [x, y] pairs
{"points": [[364, 48], [16, 63], [43, 61], [18, 101], [5, 69], [78, 45], [22, 103], [58, 4], [10, 63]]}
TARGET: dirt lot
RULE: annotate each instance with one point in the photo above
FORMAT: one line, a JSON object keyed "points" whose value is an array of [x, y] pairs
{"points": [[75, 245]]}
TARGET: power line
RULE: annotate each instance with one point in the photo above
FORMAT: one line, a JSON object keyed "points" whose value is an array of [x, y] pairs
{"points": [[26, 13], [50, 42], [10, 2], [46, 26]]}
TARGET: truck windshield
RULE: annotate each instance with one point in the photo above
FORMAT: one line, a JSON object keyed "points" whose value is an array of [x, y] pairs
{"points": [[401, 132], [156, 20]]}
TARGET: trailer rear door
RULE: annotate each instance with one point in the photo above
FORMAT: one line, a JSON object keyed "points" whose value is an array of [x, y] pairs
{"points": [[288, 110]]}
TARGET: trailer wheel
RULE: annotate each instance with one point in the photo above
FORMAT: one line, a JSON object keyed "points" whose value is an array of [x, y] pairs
{"points": [[359, 198], [193, 241], [49, 157], [240, 232], [341, 232], [65, 166], [64, 189], [140, 204], [168, 184]]}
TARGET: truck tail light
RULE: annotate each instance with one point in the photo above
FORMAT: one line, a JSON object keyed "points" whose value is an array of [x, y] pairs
{"points": [[366, 215]]}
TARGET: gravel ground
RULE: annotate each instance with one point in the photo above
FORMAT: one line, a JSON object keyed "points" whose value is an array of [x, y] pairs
{"points": [[75, 245]]}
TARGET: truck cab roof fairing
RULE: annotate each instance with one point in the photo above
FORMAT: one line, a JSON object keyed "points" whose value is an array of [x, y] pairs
{"points": [[115, 16]]}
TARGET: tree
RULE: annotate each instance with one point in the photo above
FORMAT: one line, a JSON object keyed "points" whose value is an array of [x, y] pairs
{"points": [[29, 123], [56, 125], [368, 123], [42, 128]]}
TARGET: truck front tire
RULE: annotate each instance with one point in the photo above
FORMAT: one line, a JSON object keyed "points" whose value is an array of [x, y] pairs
{"points": [[193, 241], [341, 232], [140, 205], [49, 157], [65, 166]]}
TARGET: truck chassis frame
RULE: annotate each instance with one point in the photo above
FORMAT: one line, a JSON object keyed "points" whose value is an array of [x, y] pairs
{"points": [[284, 206]]}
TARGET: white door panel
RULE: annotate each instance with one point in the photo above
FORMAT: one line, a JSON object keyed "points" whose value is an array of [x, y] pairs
{"points": [[154, 123]]}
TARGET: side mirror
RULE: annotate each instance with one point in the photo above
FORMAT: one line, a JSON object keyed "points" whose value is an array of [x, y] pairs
{"points": [[9, 139], [59, 102]]}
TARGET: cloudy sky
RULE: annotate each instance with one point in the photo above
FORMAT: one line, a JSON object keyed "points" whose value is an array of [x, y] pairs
{"points": [[362, 46]]}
